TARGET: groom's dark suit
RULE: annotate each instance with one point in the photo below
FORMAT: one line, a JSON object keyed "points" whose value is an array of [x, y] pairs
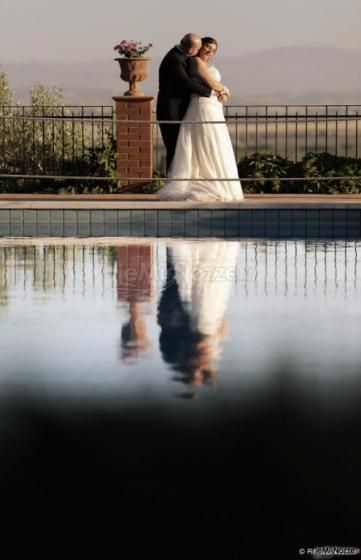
{"points": [[175, 88]]}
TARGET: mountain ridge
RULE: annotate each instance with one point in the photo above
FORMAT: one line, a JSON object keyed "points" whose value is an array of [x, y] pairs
{"points": [[325, 74]]}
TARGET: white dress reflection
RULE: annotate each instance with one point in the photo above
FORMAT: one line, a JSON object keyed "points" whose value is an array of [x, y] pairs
{"points": [[191, 313]]}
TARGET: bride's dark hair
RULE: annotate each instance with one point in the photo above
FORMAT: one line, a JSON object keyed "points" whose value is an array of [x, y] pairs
{"points": [[207, 40]]}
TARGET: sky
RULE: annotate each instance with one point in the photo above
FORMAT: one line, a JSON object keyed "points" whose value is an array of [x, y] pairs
{"points": [[77, 30]]}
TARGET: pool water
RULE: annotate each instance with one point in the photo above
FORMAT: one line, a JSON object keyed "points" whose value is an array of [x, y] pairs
{"points": [[188, 379]]}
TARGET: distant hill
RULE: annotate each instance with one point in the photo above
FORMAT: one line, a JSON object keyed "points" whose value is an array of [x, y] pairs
{"points": [[296, 74], [284, 75]]}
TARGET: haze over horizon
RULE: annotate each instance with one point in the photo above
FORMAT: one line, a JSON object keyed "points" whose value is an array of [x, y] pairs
{"points": [[266, 49], [76, 30], [299, 75]]}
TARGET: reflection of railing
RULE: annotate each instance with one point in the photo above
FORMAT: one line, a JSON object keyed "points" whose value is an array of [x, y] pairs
{"points": [[57, 268], [269, 267], [298, 268]]}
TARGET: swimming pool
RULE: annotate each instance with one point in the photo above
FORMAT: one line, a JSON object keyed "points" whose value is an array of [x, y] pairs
{"points": [[240, 356], [74, 309]]}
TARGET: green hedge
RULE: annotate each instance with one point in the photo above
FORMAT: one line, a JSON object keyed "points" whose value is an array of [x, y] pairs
{"points": [[96, 162], [265, 164]]}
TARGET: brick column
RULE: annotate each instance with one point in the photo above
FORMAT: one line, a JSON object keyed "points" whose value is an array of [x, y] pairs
{"points": [[134, 141]]}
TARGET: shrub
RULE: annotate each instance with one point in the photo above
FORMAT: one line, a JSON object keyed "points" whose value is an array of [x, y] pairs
{"points": [[153, 187], [265, 164]]}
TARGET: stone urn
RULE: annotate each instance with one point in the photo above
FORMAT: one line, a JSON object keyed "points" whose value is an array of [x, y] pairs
{"points": [[133, 71]]}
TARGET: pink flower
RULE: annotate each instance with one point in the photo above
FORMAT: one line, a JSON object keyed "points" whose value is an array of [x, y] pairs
{"points": [[132, 48]]}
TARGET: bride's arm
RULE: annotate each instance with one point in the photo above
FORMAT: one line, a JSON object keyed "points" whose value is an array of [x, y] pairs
{"points": [[202, 71]]}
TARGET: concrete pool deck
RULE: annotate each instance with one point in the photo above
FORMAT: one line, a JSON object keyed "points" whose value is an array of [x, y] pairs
{"points": [[151, 202]]}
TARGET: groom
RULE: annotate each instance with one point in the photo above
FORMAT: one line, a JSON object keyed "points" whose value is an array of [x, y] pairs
{"points": [[175, 88]]}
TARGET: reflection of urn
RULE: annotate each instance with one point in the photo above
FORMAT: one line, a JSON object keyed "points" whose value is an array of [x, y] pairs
{"points": [[133, 70]]}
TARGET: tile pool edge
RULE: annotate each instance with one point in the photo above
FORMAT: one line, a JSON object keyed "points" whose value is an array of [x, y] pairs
{"points": [[259, 222]]}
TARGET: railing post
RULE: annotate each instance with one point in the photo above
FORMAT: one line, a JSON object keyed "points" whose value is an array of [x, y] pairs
{"points": [[134, 141]]}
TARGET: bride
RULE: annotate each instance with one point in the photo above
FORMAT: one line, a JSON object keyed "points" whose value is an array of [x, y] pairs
{"points": [[204, 150]]}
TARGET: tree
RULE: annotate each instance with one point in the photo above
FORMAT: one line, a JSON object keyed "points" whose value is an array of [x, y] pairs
{"points": [[7, 100], [7, 96], [44, 138]]}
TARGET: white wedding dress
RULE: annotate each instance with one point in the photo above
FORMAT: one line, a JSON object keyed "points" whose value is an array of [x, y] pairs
{"points": [[203, 151]]}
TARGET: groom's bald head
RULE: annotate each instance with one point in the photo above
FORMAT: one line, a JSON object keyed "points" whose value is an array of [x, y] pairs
{"points": [[191, 43]]}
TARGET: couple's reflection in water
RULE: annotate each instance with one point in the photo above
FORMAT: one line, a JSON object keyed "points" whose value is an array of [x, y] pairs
{"points": [[200, 278], [192, 308]]}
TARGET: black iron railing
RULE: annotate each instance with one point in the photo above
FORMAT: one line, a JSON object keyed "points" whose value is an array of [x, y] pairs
{"points": [[290, 131], [46, 138]]}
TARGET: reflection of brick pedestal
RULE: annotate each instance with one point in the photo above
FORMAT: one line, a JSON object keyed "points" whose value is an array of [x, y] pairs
{"points": [[134, 282], [134, 141], [134, 277]]}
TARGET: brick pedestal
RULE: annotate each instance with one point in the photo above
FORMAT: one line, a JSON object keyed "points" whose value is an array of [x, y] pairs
{"points": [[134, 141]]}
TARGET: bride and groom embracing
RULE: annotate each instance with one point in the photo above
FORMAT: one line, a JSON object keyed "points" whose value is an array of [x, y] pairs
{"points": [[190, 90]]}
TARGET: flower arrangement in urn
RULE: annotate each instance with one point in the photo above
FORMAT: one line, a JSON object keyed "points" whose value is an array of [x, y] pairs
{"points": [[132, 49], [133, 64]]}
